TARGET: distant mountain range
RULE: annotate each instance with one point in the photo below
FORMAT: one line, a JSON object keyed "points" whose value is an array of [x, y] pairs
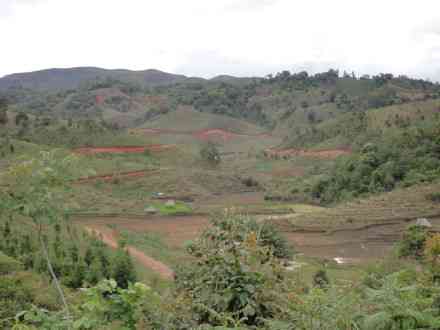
{"points": [[52, 79]]}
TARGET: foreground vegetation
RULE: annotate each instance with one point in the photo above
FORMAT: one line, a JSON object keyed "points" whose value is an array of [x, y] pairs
{"points": [[237, 279]]}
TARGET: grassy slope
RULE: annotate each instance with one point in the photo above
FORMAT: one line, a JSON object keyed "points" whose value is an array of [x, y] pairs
{"points": [[397, 205], [188, 120], [382, 120]]}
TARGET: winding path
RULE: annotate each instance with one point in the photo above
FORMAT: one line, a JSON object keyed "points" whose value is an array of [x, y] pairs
{"points": [[158, 267], [121, 175]]}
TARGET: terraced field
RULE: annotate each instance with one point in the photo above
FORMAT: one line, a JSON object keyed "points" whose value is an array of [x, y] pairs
{"points": [[401, 205]]}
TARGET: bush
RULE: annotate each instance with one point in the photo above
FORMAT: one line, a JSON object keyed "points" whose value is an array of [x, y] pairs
{"points": [[14, 298], [235, 279], [250, 182], [209, 153], [268, 234], [9, 265], [320, 279], [413, 242], [434, 197], [147, 152]]}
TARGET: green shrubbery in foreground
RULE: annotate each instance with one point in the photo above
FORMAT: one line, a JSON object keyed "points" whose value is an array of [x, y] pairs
{"points": [[235, 281]]}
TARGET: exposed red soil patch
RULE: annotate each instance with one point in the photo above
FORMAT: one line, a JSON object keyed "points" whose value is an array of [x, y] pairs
{"points": [[111, 176], [208, 134], [123, 149], [109, 238], [322, 154], [99, 99]]}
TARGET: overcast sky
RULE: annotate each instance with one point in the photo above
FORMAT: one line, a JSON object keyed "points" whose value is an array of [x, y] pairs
{"points": [[237, 37]]}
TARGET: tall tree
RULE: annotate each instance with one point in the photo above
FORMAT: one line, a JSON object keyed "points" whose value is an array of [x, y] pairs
{"points": [[3, 111]]}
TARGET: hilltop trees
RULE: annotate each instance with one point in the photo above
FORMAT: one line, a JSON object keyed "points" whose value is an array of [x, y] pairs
{"points": [[21, 118], [3, 111]]}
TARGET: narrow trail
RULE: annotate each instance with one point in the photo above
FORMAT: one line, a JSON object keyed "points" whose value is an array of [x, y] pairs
{"points": [[121, 175], [158, 267]]}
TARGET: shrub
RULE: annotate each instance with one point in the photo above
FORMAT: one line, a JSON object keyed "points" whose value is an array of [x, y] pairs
{"points": [[14, 298], [320, 279], [250, 182], [235, 279], [123, 269], [434, 197], [147, 152], [209, 153], [413, 242], [432, 255], [8, 265]]}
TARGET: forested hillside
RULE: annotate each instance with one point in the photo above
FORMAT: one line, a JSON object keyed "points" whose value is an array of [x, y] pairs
{"points": [[294, 105]]}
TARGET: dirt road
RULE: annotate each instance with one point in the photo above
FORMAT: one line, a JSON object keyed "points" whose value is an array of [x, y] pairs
{"points": [[108, 238]]}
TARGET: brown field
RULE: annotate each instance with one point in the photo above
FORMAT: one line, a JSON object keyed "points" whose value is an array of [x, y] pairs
{"points": [[175, 230], [350, 245], [121, 176]]}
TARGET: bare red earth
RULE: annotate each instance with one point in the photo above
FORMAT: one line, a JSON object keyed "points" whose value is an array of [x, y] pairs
{"points": [[99, 99]]}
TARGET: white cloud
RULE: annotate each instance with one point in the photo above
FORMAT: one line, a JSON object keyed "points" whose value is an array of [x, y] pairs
{"points": [[206, 38], [7, 7]]}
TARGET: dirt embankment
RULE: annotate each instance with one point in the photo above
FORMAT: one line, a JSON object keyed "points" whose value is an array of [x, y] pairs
{"points": [[109, 238]]}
